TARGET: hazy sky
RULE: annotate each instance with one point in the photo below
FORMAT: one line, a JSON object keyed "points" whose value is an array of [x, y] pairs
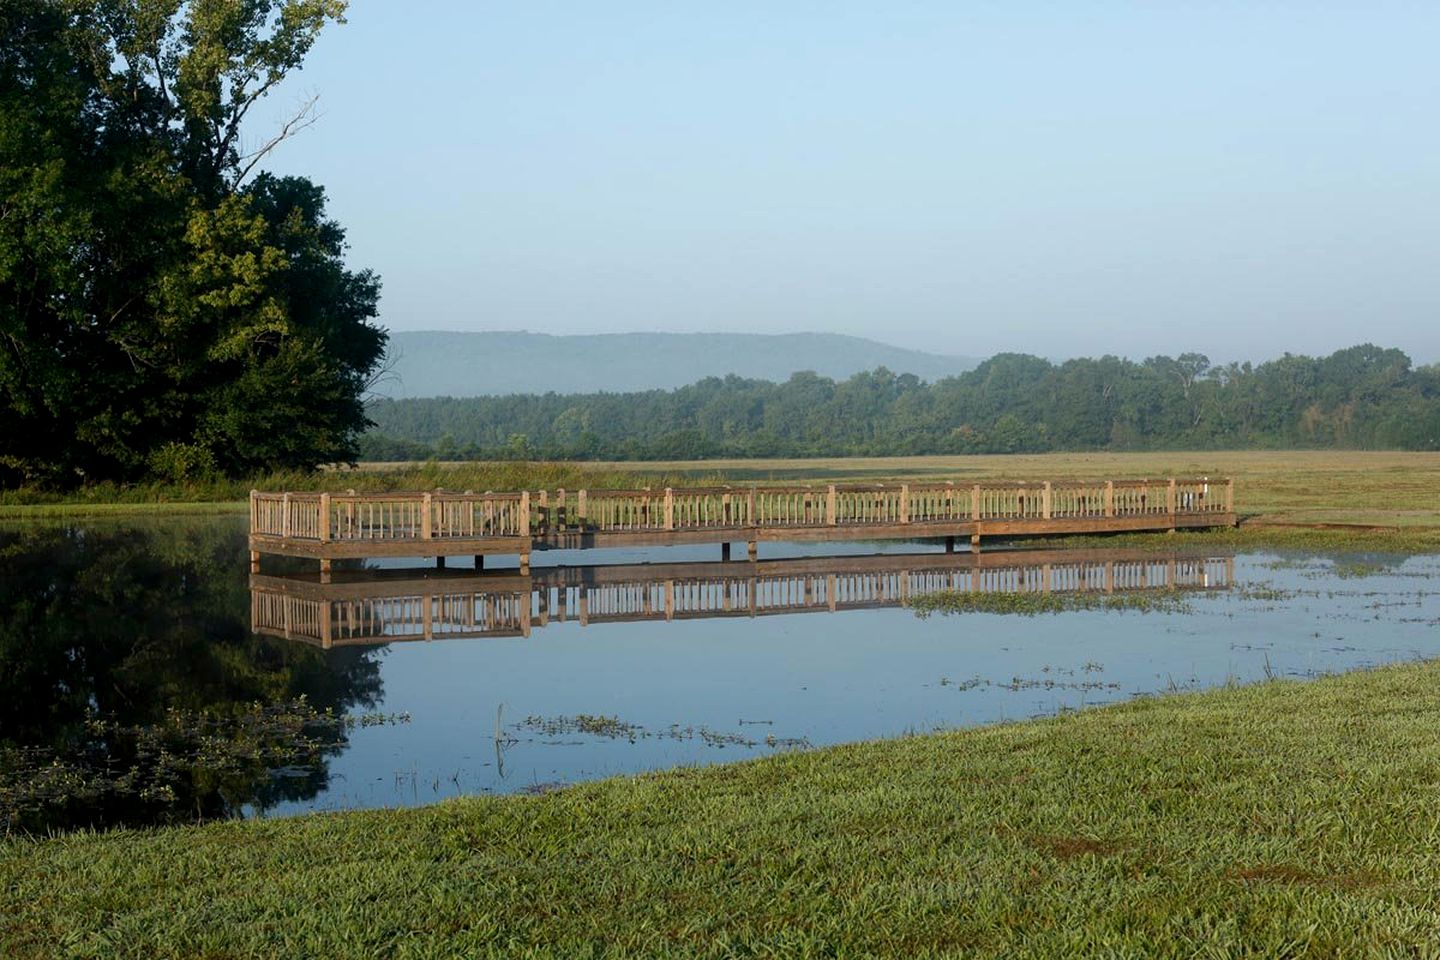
{"points": [[1060, 178]]}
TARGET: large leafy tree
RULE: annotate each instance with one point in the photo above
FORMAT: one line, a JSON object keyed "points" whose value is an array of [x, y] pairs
{"points": [[164, 309]]}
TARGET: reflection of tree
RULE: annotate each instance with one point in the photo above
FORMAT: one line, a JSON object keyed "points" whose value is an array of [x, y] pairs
{"points": [[126, 658]]}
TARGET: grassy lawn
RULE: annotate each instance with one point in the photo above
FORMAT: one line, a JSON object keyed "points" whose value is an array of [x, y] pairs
{"points": [[1281, 819]]}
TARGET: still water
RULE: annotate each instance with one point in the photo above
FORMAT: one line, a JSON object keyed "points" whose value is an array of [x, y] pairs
{"points": [[127, 642]]}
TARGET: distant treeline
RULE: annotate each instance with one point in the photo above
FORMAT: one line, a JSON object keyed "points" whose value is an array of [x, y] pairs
{"points": [[1360, 398]]}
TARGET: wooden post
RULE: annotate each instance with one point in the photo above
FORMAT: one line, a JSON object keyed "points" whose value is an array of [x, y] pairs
{"points": [[831, 503], [750, 519], [254, 561], [525, 514], [975, 502], [425, 503], [560, 508], [1230, 495], [326, 614], [544, 510], [254, 509], [669, 509], [1046, 501], [669, 599], [1109, 498], [285, 516], [1170, 500], [904, 503], [752, 548], [581, 506], [324, 518]]}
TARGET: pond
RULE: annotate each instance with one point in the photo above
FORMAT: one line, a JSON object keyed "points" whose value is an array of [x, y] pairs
{"points": [[148, 677]]}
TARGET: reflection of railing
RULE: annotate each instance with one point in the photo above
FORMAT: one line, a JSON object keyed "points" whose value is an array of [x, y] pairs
{"points": [[388, 606], [329, 525]]}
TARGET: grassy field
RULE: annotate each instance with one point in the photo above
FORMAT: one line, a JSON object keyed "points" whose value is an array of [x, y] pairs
{"points": [[229, 495], [1396, 489], [1281, 819], [1272, 488]]}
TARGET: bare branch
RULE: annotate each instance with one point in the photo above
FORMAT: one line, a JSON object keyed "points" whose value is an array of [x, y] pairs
{"points": [[305, 117], [232, 129], [382, 373]]}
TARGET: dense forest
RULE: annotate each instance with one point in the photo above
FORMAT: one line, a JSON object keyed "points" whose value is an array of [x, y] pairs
{"points": [[1361, 398]]}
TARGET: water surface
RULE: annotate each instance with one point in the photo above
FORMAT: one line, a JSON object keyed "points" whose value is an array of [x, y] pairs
{"points": [[617, 662]]}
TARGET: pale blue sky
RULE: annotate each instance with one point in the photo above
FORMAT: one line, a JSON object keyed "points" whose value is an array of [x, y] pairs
{"points": [[1060, 178]]}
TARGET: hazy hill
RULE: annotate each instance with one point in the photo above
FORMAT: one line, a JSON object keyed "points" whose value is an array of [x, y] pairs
{"points": [[436, 363]]}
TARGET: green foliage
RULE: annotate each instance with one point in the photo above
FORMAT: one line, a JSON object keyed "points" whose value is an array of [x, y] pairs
{"points": [[1364, 397], [1276, 820], [187, 765], [161, 313]]}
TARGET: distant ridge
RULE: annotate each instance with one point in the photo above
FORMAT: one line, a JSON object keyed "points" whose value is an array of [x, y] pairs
{"points": [[437, 363]]}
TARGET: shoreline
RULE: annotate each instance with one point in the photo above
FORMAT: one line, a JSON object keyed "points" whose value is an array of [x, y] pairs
{"points": [[1169, 825]]}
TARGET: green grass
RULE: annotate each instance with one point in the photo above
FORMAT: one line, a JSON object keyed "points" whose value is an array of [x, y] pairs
{"points": [[1280, 819], [225, 495]]}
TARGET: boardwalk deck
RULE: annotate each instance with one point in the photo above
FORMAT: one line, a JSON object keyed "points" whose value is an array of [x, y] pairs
{"points": [[438, 524], [368, 607]]}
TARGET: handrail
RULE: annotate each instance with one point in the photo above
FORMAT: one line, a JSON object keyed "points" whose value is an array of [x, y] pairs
{"points": [[447, 514]]}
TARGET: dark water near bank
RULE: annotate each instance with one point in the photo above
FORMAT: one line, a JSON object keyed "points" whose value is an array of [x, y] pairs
{"points": [[133, 688]]}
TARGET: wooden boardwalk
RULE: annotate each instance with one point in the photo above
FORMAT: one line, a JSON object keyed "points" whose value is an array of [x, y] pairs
{"points": [[370, 607], [330, 526]]}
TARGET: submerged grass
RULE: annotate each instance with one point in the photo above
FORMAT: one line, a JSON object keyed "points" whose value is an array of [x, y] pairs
{"points": [[1260, 537], [1280, 819], [1031, 603]]}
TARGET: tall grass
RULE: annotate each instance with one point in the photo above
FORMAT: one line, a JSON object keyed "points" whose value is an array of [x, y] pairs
{"points": [[478, 476]]}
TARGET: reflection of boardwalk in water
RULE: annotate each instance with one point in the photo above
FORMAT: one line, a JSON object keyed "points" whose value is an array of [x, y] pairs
{"points": [[387, 606]]}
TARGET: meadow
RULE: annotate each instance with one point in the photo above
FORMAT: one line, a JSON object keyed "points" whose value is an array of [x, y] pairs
{"points": [[1292, 486]]}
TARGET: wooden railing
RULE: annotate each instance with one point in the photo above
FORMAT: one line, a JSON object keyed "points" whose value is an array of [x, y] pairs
{"points": [[393, 516], [441, 515]]}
